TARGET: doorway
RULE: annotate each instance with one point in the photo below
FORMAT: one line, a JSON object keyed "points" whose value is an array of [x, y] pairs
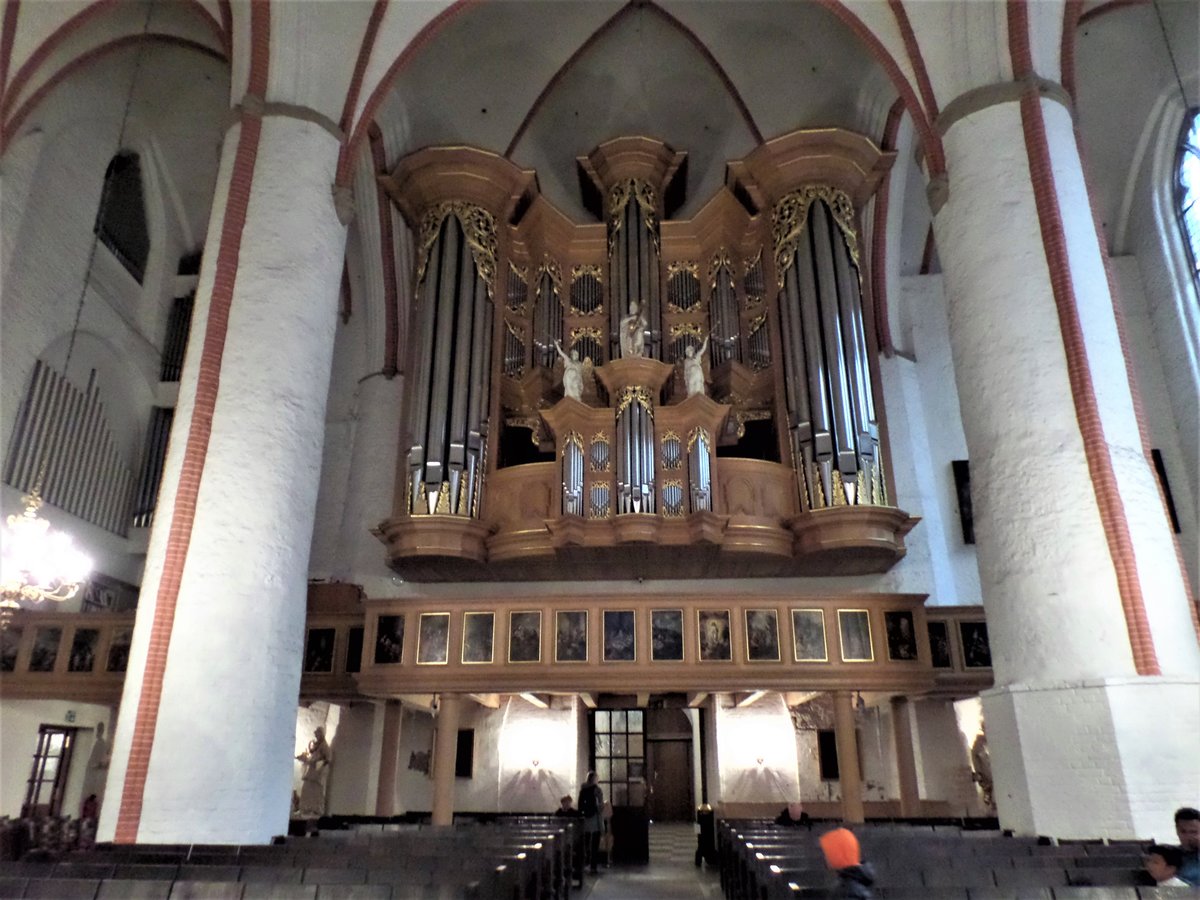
{"points": [[48, 776], [669, 777]]}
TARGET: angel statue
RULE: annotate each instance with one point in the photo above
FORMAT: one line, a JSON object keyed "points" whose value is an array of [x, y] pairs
{"points": [[633, 333], [572, 379], [693, 368]]}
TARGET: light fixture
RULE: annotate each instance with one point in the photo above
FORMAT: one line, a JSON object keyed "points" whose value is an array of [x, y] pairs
{"points": [[37, 562]]}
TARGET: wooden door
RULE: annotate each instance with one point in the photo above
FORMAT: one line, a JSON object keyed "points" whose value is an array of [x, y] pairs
{"points": [[669, 773]]}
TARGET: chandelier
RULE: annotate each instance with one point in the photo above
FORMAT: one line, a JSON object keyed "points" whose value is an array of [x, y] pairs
{"points": [[37, 562]]}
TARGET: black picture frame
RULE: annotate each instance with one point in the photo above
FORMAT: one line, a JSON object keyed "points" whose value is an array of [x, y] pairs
{"points": [[901, 630], [389, 640], [83, 650], [433, 639], [10, 643], [976, 649], [939, 644], [571, 635], [714, 635], [525, 636], [809, 643], [666, 635], [318, 650], [118, 650], [44, 654], [854, 634], [479, 631], [762, 635], [620, 640]]}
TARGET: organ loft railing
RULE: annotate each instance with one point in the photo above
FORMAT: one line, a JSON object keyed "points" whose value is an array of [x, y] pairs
{"points": [[643, 394]]}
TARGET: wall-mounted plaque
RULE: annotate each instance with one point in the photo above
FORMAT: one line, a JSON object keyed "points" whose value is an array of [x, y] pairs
{"points": [[433, 639], [619, 640], [854, 630], [118, 650], [479, 629], [83, 650], [939, 645], [318, 650], [525, 636], [808, 635], [715, 643], [45, 649], [762, 635], [571, 634]]}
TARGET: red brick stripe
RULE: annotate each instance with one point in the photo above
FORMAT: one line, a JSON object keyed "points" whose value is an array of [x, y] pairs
{"points": [[8, 34], [931, 141], [914, 55], [387, 258], [45, 48], [183, 513], [1111, 6], [345, 165], [883, 328], [1087, 412], [12, 127], [360, 67]]}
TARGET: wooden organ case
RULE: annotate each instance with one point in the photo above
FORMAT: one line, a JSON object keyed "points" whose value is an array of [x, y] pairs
{"points": [[769, 458]]}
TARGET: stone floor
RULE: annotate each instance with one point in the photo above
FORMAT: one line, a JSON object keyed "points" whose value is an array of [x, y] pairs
{"points": [[671, 875]]}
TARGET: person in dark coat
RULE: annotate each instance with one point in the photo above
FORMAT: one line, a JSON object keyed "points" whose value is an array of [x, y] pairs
{"points": [[793, 815], [842, 854]]}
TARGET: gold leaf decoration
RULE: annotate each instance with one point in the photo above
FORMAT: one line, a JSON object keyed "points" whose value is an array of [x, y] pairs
{"points": [[789, 219]]}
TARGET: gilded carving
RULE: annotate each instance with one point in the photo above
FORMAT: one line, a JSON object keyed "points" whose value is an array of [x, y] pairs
{"points": [[687, 328], [479, 227], [635, 394], [551, 267], [790, 218], [672, 489], [576, 334], [720, 260], [698, 434], [839, 489], [647, 200], [599, 455], [583, 269]]}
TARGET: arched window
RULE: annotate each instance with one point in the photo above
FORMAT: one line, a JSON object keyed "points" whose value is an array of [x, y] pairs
{"points": [[121, 221], [1189, 186]]}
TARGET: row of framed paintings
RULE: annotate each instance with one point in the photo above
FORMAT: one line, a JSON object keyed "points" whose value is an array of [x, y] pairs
{"points": [[715, 628]]}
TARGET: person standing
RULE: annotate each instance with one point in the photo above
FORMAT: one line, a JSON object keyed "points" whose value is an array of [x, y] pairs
{"points": [[1187, 829], [590, 804], [842, 854]]}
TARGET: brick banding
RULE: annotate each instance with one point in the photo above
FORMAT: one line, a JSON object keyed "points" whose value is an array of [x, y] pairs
{"points": [[183, 513], [387, 258], [1087, 412]]}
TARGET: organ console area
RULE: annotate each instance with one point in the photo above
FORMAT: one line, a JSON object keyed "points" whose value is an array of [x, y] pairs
{"points": [[643, 395]]}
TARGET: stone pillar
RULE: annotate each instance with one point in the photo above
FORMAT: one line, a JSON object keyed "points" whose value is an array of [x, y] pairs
{"points": [[445, 750], [849, 776], [1084, 595], [389, 750], [203, 748], [906, 765]]}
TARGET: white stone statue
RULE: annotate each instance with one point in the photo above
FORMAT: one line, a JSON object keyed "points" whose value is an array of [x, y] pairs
{"points": [[316, 759], [96, 774], [572, 373], [693, 368], [633, 333]]}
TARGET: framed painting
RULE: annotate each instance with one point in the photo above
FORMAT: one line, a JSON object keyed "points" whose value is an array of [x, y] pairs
{"points": [[620, 644], [571, 634], [808, 635], [354, 649], [854, 631], [433, 639], [83, 650], [318, 650], [977, 652], [525, 636], [762, 635], [10, 643], [45, 649], [713, 635], [939, 644], [479, 629], [666, 635], [118, 650], [389, 640], [901, 634]]}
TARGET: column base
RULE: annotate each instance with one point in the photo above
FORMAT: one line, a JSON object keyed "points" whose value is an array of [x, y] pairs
{"points": [[1108, 758]]}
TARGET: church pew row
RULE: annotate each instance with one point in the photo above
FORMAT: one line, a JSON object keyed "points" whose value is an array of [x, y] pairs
{"points": [[524, 861], [760, 860]]}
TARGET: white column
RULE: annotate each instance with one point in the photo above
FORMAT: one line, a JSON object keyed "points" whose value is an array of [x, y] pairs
{"points": [[1067, 716], [445, 750], [220, 748], [846, 736]]}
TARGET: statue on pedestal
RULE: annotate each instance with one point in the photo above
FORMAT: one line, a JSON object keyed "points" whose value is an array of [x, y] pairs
{"points": [[316, 759], [633, 333], [97, 770], [981, 766], [572, 379], [693, 368]]}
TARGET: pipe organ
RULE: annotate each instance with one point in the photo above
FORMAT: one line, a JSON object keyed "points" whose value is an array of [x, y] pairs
{"points": [[739, 436]]}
